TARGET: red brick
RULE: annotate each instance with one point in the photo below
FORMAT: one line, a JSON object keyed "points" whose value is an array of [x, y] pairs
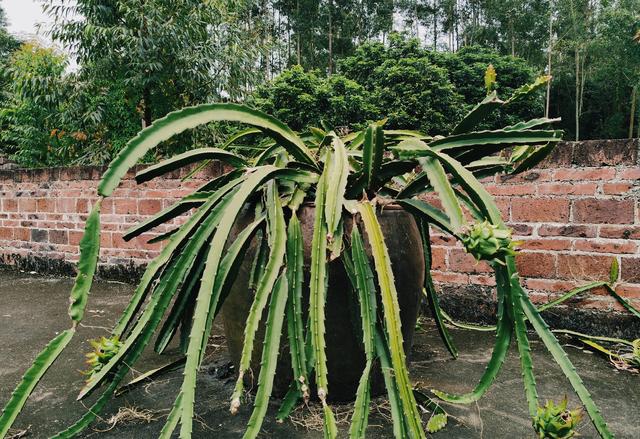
{"points": [[629, 173], [82, 205], [599, 303], [532, 264], [620, 232], [107, 206], [521, 229], [6, 233], [556, 286], [149, 207], [584, 174], [605, 246], [567, 189], [603, 211], [538, 298], [616, 188], [58, 237], [75, 237], [144, 244], [125, 206], [66, 205], [511, 189], [438, 258], [106, 240], [119, 243], [540, 210], [463, 262], [440, 239], [450, 277], [21, 234], [46, 205], [39, 235], [629, 291], [480, 279], [504, 205], [527, 177], [9, 205], [545, 244], [630, 269], [584, 267], [570, 230], [26, 205]]}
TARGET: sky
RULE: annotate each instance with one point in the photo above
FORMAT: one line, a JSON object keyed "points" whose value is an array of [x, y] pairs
{"points": [[23, 17]]}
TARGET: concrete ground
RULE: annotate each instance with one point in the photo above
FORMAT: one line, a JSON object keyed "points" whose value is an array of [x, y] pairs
{"points": [[33, 309]]}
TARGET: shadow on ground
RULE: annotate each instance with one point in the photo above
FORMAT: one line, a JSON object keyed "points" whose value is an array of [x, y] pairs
{"points": [[33, 310]]}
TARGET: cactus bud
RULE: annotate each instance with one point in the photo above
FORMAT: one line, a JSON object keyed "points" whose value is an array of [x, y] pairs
{"points": [[104, 349], [235, 405], [555, 421], [486, 241]]}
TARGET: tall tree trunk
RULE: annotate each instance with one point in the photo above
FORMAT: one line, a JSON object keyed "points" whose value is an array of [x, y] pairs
{"points": [[265, 38], [513, 37], [633, 110], [577, 94], [146, 107], [415, 18], [435, 25], [546, 108], [330, 66], [298, 50]]}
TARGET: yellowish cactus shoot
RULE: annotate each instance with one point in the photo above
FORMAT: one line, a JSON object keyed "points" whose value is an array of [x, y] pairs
{"points": [[104, 349], [555, 421], [486, 241], [490, 78]]}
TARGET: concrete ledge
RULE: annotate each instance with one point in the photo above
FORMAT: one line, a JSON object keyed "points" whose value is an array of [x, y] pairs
{"points": [[477, 304]]}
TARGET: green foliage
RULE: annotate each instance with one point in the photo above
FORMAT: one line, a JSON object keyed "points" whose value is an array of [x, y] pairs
{"points": [[413, 87], [303, 99], [415, 94], [51, 118], [164, 64], [595, 67], [30, 115], [357, 171]]}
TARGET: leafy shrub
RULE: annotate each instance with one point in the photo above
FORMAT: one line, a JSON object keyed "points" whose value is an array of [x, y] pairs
{"points": [[414, 87], [29, 118], [303, 98], [53, 118], [417, 95]]}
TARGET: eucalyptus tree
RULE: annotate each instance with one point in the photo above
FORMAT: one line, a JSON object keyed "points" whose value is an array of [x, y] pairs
{"points": [[167, 54]]}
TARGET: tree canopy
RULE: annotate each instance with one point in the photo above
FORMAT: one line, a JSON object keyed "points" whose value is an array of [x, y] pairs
{"points": [[418, 62]]}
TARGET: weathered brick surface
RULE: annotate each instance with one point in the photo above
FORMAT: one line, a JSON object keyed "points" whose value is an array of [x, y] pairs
{"points": [[574, 215], [42, 215]]}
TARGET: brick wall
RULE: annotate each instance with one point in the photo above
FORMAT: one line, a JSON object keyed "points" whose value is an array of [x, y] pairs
{"points": [[43, 213], [574, 214]]}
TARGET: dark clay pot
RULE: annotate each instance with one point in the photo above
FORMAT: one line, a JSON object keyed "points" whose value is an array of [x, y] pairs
{"points": [[345, 354]]}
